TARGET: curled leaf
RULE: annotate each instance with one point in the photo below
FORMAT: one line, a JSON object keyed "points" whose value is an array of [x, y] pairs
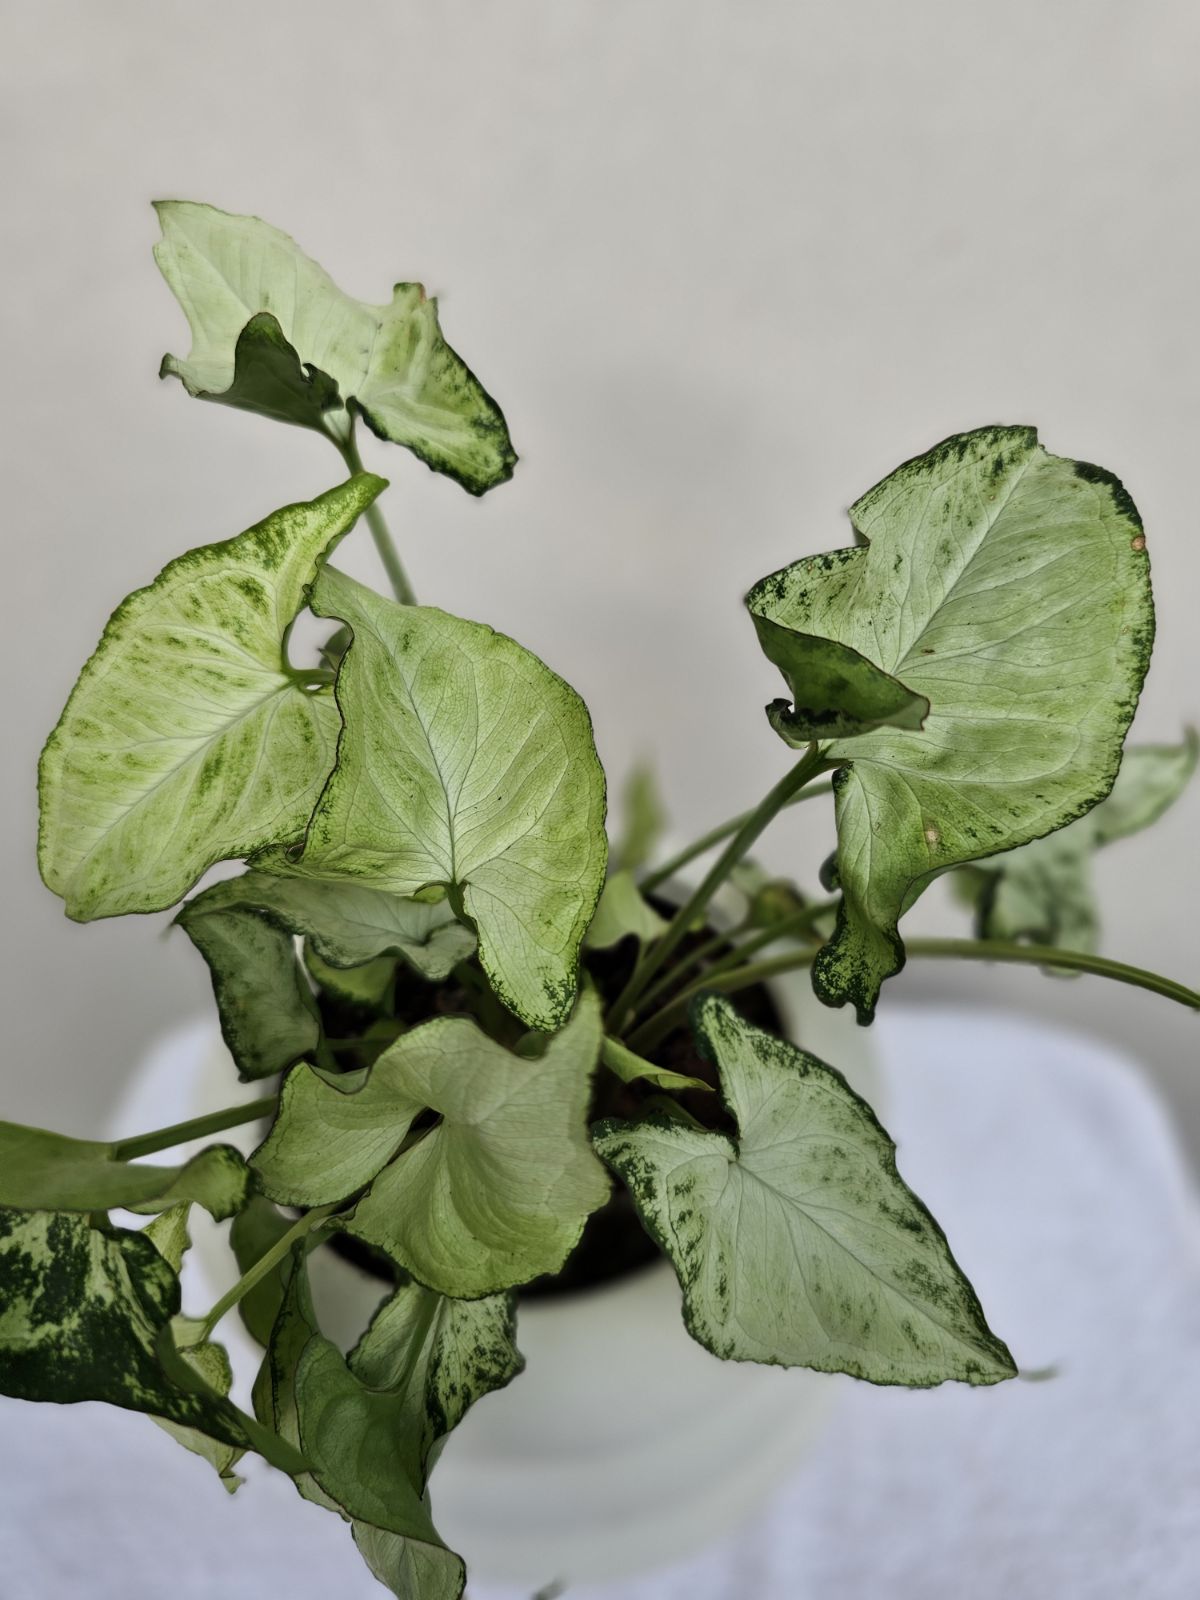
{"points": [[495, 1194], [272, 333], [1010, 589]]}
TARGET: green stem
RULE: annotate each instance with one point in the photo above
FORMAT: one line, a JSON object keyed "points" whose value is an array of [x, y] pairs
{"points": [[656, 1028], [713, 837], [388, 554], [265, 1263], [145, 1144], [785, 928], [799, 922], [1068, 960], [810, 764], [694, 958]]}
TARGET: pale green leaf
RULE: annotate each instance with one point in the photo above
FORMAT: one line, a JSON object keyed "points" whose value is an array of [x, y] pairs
{"points": [[43, 1171], [1043, 891], [185, 741], [208, 1360], [269, 1017], [623, 910], [644, 819], [1151, 779], [494, 1195], [330, 353], [332, 1134], [1011, 589], [412, 1568], [630, 1068], [487, 784], [244, 928], [169, 1235], [797, 1243]]}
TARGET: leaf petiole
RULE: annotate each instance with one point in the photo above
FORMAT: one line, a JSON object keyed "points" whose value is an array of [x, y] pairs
{"points": [[384, 543], [308, 1223], [145, 1144], [714, 836], [724, 941], [786, 928], [656, 1028], [810, 765]]}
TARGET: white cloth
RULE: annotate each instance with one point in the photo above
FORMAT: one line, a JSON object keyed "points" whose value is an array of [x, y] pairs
{"points": [[1065, 1198]]}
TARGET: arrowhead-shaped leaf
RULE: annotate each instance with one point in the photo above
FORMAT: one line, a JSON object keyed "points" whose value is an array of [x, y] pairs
{"points": [[1043, 891], [86, 1313], [185, 741], [272, 332], [797, 1243], [42, 1171], [494, 1195], [487, 783], [1009, 588]]}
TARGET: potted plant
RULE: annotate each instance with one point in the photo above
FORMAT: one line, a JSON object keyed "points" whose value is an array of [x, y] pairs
{"points": [[495, 1058]]}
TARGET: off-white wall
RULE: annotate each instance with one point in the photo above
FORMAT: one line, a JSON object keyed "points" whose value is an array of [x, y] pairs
{"points": [[724, 265]]}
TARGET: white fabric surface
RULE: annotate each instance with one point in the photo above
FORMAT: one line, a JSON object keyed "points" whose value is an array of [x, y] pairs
{"points": [[1065, 1198]]}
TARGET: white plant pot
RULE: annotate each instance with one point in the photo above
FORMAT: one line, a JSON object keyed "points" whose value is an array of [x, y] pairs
{"points": [[624, 1445]]}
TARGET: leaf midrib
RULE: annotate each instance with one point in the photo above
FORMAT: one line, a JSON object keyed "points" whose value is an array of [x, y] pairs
{"points": [[786, 1201], [988, 524]]}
